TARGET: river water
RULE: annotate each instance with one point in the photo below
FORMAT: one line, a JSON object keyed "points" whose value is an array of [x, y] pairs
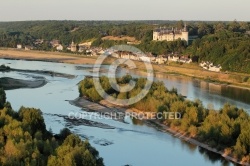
{"points": [[131, 143]]}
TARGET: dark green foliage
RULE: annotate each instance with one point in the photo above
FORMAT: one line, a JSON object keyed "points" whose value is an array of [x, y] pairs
{"points": [[107, 43], [2, 98], [86, 88], [32, 120], [74, 151], [64, 133], [223, 129], [13, 33], [229, 49], [163, 47], [24, 140], [155, 98]]}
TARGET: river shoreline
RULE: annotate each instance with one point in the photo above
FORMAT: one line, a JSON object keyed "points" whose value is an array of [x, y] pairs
{"points": [[194, 72], [165, 128], [94, 106]]}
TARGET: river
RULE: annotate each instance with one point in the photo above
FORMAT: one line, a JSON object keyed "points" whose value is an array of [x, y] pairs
{"points": [[131, 143]]}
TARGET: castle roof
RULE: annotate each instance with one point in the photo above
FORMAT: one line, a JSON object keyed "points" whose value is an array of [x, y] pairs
{"points": [[164, 30], [168, 31]]}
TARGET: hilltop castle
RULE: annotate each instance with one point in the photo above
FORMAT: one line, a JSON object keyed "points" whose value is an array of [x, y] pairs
{"points": [[163, 33]]}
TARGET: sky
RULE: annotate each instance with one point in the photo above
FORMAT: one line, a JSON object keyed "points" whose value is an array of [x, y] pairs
{"points": [[206, 10]]}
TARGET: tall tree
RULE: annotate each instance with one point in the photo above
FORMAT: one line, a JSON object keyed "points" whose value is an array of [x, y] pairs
{"points": [[2, 98]]}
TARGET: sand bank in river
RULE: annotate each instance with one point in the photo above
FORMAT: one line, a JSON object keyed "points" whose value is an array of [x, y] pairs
{"points": [[11, 83], [103, 108], [190, 70], [45, 72]]}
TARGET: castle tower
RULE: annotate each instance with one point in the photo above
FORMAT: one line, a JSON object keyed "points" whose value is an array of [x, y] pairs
{"points": [[156, 34], [73, 47], [185, 28], [185, 33]]}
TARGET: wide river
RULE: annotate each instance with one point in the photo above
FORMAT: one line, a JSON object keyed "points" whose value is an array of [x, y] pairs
{"points": [[131, 143]]}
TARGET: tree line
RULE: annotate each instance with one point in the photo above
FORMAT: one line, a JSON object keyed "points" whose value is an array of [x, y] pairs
{"points": [[224, 43], [24, 140], [227, 129]]}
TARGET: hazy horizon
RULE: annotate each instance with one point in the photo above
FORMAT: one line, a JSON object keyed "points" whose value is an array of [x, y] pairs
{"points": [[96, 10]]}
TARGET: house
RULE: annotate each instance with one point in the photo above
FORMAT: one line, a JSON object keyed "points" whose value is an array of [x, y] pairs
{"points": [[100, 52], [19, 46], [38, 41], [185, 59], [86, 45], [161, 59], [59, 47], [210, 66], [28, 48], [81, 48], [93, 53], [89, 51], [173, 58], [215, 68], [54, 43]]}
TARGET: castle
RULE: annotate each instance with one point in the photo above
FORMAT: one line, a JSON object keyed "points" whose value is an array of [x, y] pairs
{"points": [[161, 34]]}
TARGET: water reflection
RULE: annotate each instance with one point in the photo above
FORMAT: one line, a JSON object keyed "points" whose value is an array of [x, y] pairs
{"points": [[209, 93], [214, 157], [236, 93]]}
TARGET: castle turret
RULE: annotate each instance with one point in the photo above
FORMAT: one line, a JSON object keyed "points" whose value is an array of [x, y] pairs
{"points": [[185, 28], [185, 33], [73, 47]]}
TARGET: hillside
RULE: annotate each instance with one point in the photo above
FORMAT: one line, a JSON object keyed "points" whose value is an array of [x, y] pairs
{"points": [[224, 43], [229, 49]]}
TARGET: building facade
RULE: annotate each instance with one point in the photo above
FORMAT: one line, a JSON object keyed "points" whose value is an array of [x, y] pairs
{"points": [[19, 46], [73, 47], [161, 34], [59, 47]]}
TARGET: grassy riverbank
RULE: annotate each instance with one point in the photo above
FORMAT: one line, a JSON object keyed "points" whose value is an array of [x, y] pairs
{"points": [[190, 70]]}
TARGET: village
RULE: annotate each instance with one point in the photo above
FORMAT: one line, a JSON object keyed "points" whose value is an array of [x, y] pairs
{"points": [[88, 50], [159, 34]]}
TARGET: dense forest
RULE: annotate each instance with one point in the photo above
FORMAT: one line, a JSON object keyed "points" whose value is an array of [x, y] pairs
{"points": [[224, 43], [227, 129], [229, 49], [26, 33], [24, 140]]}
